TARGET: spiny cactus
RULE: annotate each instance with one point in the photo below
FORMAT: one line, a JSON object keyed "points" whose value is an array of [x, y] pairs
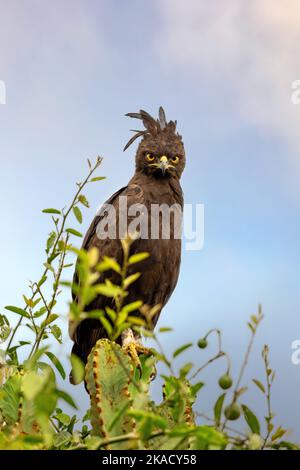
{"points": [[120, 397], [108, 375]]}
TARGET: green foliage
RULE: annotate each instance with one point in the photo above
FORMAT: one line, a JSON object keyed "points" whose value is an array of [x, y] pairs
{"points": [[122, 414]]}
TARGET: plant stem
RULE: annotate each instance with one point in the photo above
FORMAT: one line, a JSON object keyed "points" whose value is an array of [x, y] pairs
{"points": [[52, 303], [214, 358], [245, 362], [268, 396], [127, 437], [53, 250]]}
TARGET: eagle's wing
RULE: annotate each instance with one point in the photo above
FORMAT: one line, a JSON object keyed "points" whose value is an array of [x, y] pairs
{"points": [[86, 333], [93, 227]]}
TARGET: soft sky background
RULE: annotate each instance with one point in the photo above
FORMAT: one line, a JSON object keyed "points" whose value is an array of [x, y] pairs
{"points": [[224, 70]]}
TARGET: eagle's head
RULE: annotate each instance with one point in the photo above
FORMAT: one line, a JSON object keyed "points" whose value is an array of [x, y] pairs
{"points": [[161, 152]]}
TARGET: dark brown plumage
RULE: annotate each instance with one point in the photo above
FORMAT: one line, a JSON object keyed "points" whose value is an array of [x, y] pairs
{"points": [[155, 182]]}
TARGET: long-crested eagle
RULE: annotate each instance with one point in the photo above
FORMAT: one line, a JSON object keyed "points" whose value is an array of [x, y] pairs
{"points": [[160, 161]]}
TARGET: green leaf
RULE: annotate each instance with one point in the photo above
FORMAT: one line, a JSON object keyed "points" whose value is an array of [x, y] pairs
{"points": [[51, 241], [145, 428], [106, 325], [83, 200], [136, 320], [30, 363], [251, 420], [97, 178], [278, 433], [182, 349], [74, 232], [138, 257], [196, 388], [57, 364], [147, 421], [131, 279], [241, 391], [93, 442], [35, 302], [111, 313], [208, 438], [165, 329], [28, 302], [66, 397], [95, 314], [132, 306], [108, 263], [259, 385], [5, 331], [40, 312], [50, 319], [17, 310], [51, 211], [10, 397], [218, 408], [146, 333], [49, 267], [56, 332], [107, 290], [63, 418], [3, 321], [185, 370], [24, 343], [53, 257], [62, 439], [285, 445], [33, 384], [78, 369], [78, 214], [42, 281]]}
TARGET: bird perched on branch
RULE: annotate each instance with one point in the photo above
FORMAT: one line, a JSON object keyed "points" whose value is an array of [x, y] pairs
{"points": [[160, 161]]}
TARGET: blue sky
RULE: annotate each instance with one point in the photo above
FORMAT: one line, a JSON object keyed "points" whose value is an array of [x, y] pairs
{"points": [[73, 69]]}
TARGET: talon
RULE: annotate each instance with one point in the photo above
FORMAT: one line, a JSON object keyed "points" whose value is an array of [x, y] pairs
{"points": [[133, 347], [135, 350]]}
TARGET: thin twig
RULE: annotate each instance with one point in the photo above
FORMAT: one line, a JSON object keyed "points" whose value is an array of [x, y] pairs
{"points": [[52, 303], [53, 250], [214, 358], [245, 361], [229, 428], [128, 437], [268, 396]]}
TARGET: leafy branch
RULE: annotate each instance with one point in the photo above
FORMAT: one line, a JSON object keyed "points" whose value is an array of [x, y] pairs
{"points": [[56, 246]]}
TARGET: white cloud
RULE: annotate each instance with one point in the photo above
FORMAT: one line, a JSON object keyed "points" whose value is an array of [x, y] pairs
{"points": [[247, 49]]}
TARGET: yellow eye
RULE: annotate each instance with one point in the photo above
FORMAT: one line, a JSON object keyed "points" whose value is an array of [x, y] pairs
{"points": [[150, 157], [175, 160]]}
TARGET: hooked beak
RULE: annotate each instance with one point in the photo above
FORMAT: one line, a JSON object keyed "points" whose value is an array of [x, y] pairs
{"points": [[164, 163]]}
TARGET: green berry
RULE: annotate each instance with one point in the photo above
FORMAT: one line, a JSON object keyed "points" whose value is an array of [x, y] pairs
{"points": [[225, 381], [202, 343], [232, 412]]}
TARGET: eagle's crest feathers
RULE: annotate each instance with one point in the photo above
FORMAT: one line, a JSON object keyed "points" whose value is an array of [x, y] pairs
{"points": [[152, 127]]}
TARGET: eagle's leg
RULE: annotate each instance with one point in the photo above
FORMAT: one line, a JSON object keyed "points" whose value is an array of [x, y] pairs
{"points": [[133, 346]]}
